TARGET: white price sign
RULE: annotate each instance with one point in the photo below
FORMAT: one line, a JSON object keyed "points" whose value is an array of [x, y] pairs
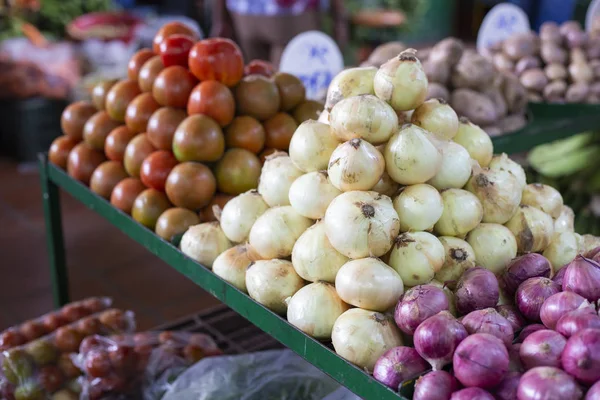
{"points": [[503, 21], [593, 11], [314, 58]]}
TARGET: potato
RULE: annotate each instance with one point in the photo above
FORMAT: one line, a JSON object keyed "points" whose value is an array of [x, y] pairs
{"points": [[514, 94], [593, 48], [595, 28], [595, 66], [581, 72], [495, 95], [569, 26], [437, 71], [527, 63], [449, 50], [520, 45], [554, 92], [555, 71], [592, 98], [576, 38], [385, 52], [578, 55], [473, 71], [576, 93], [552, 53], [502, 62], [595, 88], [437, 91], [512, 123], [492, 130], [534, 79], [549, 32], [534, 97], [478, 108]]}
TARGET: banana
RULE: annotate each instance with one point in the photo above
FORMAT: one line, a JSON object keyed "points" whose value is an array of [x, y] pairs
{"points": [[550, 152], [569, 163]]}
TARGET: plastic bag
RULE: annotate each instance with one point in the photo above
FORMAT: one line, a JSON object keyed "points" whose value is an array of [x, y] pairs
{"points": [[274, 374], [33, 329], [342, 394], [143, 364], [44, 366]]}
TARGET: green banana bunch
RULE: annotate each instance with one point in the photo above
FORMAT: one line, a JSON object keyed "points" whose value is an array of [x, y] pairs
{"points": [[567, 156]]}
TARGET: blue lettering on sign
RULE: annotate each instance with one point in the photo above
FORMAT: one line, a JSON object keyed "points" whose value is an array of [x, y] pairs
{"points": [[317, 80], [318, 52]]}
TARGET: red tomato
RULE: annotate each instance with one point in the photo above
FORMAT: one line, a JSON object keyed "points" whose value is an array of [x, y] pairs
{"points": [[175, 50], [170, 29], [260, 67], [173, 86], [217, 59], [156, 168], [213, 99]]}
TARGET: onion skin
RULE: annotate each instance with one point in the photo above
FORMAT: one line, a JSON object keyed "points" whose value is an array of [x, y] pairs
{"points": [[583, 277], [574, 321], [397, 365], [533, 229], [515, 364], [277, 175], [502, 162], [544, 197], [542, 349], [437, 117], [350, 82], [437, 338], [435, 385], [456, 168], [499, 193], [271, 282], [581, 356], [532, 293], [480, 360], [462, 213], [311, 194], [419, 207], [512, 315], [592, 253], [560, 304], [311, 146], [524, 267], [204, 243], [491, 322], [494, 246], [460, 256], [507, 389], [477, 142], [563, 248], [355, 165], [240, 213], [528, 330], [417, 256], [472, 393], [593, 393], [418, 304], [477, 289], [559, 276], [548, 383], [231, 266]]}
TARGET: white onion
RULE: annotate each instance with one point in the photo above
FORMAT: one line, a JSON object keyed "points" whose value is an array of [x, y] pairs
{"points": [[240, 213], [370, 284], [363, 117], [565, 222], [274, 233], [419, 207], [204, 243], [355, 165], [313, 256], [315, 308], [278, 174], [589, 242], [417, 256], [544, 197], [532, 228], [324, 117], [437, 117], [271, 282], [231, 265], [455, 169], [462, 213], [498, 191], [494, 246], [476, 141], [503, 163], [350, 82], [311, 146], [402, 82], [563, 249], [386, 185], [361, 224], [311, 194], [410, 157], [460, 256], [362, 336]]}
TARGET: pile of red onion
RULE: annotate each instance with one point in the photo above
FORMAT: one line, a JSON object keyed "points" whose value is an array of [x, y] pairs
{"points": [[546, 344]]}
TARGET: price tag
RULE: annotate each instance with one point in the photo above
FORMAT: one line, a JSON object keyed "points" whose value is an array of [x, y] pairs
{"points": [[314, 58], [593, 11], [503, 21]]}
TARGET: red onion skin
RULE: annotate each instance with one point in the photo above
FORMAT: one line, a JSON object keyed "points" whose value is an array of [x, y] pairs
{"points": [[593, 393], [581, 356], [542, 349], [507, 389], [576, 320], [541, 383], [531, 295], [524, 267], [489, 321], [515, 364], [592, 253], [513, 316], [437, 338], [472, 393], [397, 365], [583, 277], [558, 278], [435, 385], [528, 330], [480, 360], [477, 289], [418, 304], [558, 305]]}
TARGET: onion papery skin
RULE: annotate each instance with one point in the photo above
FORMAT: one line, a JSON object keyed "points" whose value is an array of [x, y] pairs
{"points": [[240, 213], [397, 365], [437, 117], [477, 289], [361, 224], [513, 316], [418, 304], [515, 364], [565, 221], [494, 246], [437, 338], [462, 213], [231, 265], [449, 295], [480, 360], [528, 330], [583, 277], [559, 276], [435, 385], [277, 175], [590, 242], [417, 256], [350, 82], [533, 229], [544, 197], [502, 162], [271, 282], [593, 392], [386, 185], [563, 249], [419, 207], [472, 393], [311, 194], [532, 293], [455, 170], [576, 320], [581, 356], [355, 165], [476, 141], [369, 331], [491, 322], [311, 146], [524, 267], [507, 389], [548, 383], [592, 253], [560, 304], [499, 193], [542, 348], [204, 243], [460, 256]]}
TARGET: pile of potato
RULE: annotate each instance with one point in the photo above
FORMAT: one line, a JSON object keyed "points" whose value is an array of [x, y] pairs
{"points": [[561, 65]]}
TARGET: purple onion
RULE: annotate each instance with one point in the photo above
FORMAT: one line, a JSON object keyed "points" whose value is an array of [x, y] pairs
{"points": [[524, 267], [515, 364], [513, 316], [581, 356], [558, 305], [531, 295], [507, 389], [418, 304], [592, 253], [489, 321], [437, 337], [558, 278], [397, 365], [435, 385], [472, 393], [542, 349], [528, 330], [548, 383], [477, 289], [480, 360], [576, 320], [583, 277], [593, 393]]}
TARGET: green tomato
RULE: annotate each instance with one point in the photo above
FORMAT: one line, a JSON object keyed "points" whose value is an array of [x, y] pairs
{"points": [[43, 352], [17, 366]]}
